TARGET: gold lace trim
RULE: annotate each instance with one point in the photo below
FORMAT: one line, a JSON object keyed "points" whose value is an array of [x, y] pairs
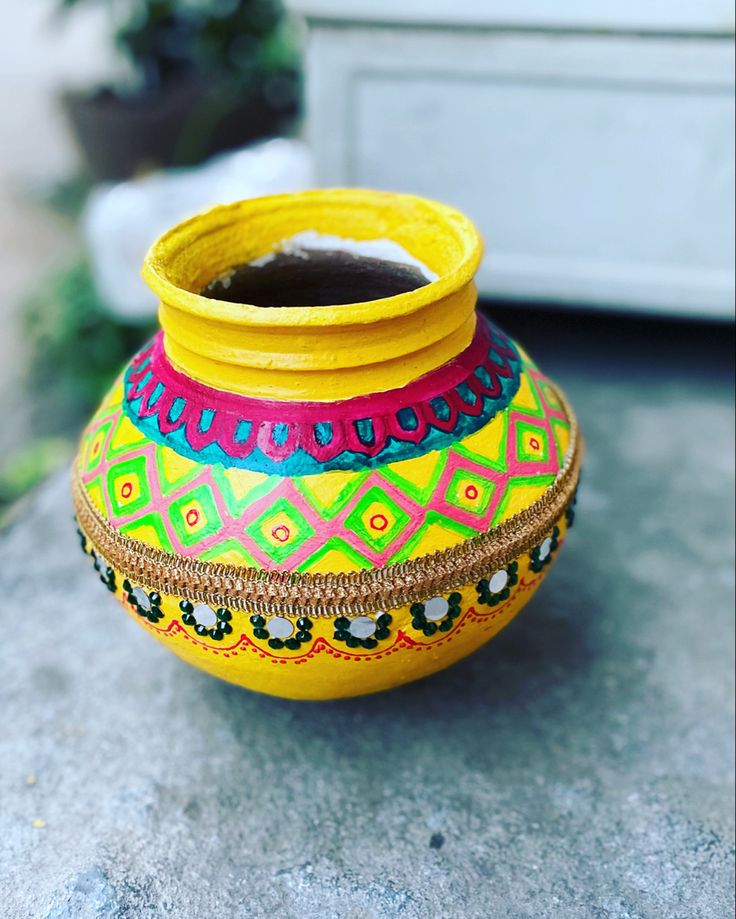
{"points": [[286, 593]]}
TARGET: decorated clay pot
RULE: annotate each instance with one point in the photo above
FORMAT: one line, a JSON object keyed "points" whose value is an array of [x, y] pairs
{"points": [[317, 501]]}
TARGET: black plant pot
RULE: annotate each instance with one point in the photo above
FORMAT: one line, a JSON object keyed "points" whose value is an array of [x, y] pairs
{"points": [[181, 124]]}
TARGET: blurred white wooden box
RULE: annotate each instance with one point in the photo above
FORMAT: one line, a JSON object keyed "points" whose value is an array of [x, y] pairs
{"points": [[593, 143]]}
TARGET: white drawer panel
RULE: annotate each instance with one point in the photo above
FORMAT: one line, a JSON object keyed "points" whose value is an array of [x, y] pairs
{"points": [[599, 170]]}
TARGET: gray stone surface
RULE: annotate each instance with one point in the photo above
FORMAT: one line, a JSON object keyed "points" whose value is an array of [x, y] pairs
{"points": [[580, 765]]}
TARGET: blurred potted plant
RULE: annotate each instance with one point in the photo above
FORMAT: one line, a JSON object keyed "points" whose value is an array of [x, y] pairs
{"points": [[204, 75]]}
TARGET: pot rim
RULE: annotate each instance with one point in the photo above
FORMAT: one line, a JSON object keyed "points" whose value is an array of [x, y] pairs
{"points": [[442, 237]]}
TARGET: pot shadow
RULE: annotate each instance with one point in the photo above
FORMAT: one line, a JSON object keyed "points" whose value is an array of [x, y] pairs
{"points": [[551, 645], [508, 713]]}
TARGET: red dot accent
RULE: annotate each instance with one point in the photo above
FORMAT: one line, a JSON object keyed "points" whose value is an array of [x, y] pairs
{"points": [[126, 489], [281, 533], [192, 517], [378, 522], [471, 492], [534, 443]]}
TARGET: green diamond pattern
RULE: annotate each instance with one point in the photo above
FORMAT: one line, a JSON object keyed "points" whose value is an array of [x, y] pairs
{"points": [[377, 519], [534, 432], [179, 511], [129, 474], [280, 530]]}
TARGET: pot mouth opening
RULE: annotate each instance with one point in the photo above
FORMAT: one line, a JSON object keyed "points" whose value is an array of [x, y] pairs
{"points": [[333, 257], [316, 269]]}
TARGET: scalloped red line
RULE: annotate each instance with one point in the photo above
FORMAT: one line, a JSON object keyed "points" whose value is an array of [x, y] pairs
{"points": [[321, 645]]}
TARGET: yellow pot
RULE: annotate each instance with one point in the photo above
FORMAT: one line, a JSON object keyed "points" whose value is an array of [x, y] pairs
{"points": [[317, 502]]}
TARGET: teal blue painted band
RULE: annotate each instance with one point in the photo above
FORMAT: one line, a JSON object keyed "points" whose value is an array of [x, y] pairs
{"points": [[295, 439]]}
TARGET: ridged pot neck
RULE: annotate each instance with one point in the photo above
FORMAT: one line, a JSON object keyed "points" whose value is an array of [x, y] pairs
{"points": [[315, 353]]}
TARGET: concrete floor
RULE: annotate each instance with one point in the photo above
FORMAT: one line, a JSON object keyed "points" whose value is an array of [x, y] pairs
{"points": [[581, 765]]}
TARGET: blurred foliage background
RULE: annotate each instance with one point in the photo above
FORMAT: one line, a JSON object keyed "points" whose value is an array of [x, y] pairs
{"points": [[181, 80]]}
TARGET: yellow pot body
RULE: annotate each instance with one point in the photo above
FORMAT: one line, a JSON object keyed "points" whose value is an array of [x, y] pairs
{"points": [[319, 502]]}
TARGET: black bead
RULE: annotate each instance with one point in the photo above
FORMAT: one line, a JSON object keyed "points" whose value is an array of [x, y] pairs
{"points": [[453, 612], [200, 629], [339, 636], [416, 608], [155, 599], [224, 615], [352, 641], [127, 585], [381, 634], [225, 627], [385, 619], [454, 598], [185, 606], [342, 623], [216, 634], [275, 643], [303, 624], [429, 629], [260, 633], [188, 619], [369, 643], [292, 644], [419, 623], [303, 635], [445, 625]]}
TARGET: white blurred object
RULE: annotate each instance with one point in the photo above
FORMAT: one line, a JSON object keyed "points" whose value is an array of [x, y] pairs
{"points": [[121, 221], [592, 143], [303, 244], [682, 16]]}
